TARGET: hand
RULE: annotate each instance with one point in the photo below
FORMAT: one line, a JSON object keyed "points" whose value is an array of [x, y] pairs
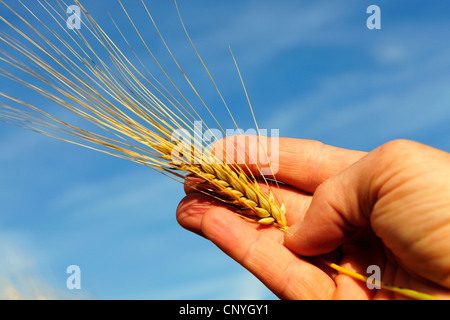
{"points": [[389, 207]]}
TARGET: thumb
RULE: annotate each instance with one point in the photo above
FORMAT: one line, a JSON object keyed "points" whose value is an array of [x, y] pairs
{"points": [[401, 190], [340, 206]]}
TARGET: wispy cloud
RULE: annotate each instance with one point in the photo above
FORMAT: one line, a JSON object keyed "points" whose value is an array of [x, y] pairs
{"points": [[239, 285], [318, 73], [261, 30], [400, 92], [24, 270], [17, 143], [127, 193]]}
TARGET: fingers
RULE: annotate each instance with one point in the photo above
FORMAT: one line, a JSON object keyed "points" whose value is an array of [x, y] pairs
{"points": [[194, 204], [190, 211], [303, 164], [259, 249], [384, 188], [340, 206]]}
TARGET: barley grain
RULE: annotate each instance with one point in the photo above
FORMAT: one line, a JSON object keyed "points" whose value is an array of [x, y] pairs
{"points": [[140, 122]]}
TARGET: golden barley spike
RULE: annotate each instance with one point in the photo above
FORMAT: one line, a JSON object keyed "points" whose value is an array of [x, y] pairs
{"points": [[103, 87]]}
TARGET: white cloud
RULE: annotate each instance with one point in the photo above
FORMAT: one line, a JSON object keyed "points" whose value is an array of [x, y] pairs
{"points": [[17, 143], [24, 269], [261, 29], [398, 112], [127, 193], [239, 285]]}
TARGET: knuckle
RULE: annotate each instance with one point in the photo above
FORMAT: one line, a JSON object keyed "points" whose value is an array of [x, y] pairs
{"points": [[394, 151]]}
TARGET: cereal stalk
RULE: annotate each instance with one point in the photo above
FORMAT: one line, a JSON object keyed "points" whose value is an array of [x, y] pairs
{"points": [[136, 113]]}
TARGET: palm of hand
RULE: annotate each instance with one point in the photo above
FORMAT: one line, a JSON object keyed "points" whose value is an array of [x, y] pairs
{"points": [[262, 250]]}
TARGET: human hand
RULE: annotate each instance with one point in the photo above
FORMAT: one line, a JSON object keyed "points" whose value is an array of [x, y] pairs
{"points": [[389, 207]]}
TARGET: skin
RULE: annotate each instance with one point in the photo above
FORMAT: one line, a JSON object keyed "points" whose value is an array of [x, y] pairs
{"points": [[389, 207]]}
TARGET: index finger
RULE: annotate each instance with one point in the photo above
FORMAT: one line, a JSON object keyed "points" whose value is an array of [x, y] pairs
{"points": [[303, 164]]}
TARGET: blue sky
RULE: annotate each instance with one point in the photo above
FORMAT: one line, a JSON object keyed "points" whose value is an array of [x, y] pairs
{"points": [[312, 69]]}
